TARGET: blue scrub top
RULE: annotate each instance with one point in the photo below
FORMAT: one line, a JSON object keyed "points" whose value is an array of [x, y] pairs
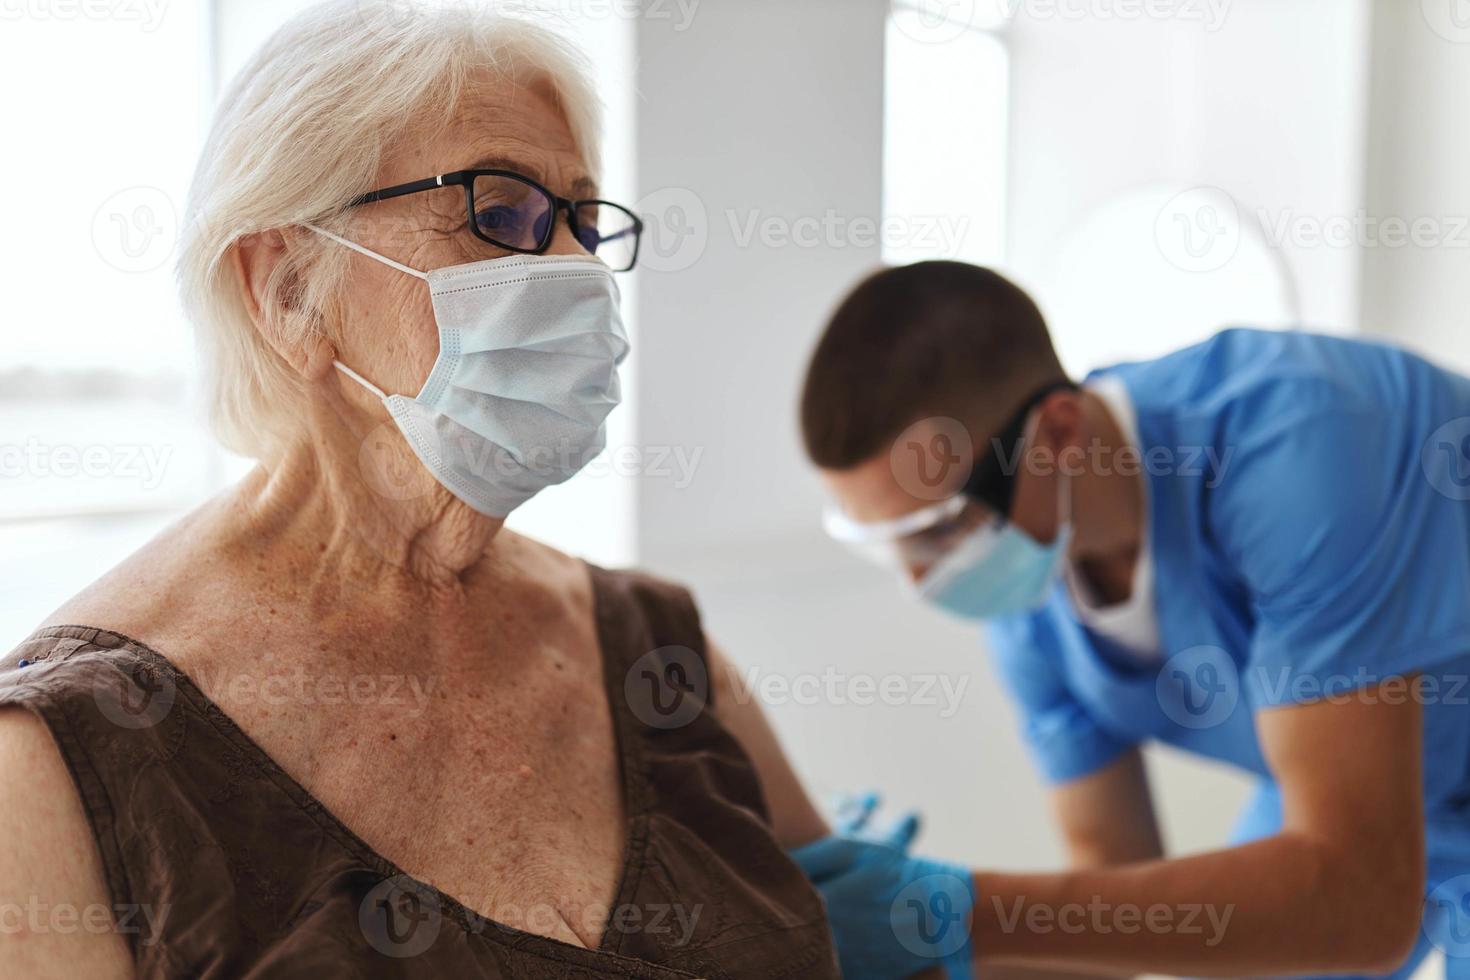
{"points": [[1309, 500]]}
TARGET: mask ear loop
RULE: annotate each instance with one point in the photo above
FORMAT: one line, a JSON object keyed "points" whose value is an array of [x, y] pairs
{"points": [[359, 379], [1064, 490], [1064, 504], [386, 261], [367, 251]]}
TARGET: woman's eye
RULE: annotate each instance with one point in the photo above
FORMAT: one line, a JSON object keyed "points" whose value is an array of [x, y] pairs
{"points": [[497, 218]]}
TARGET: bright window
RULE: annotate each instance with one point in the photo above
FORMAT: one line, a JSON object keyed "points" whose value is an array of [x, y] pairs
{"points": [[100, 440]]}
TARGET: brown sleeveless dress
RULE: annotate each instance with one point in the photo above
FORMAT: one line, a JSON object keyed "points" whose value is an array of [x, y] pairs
{"points": [[221, 865]]}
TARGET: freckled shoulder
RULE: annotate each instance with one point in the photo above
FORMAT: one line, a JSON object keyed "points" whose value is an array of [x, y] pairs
{"points": [[563, 581], [155, 590]]}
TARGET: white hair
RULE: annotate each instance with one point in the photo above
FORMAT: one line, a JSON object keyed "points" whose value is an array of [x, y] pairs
{"points": [[301, 131]]}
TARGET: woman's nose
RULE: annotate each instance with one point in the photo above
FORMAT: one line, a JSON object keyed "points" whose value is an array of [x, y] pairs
{"points": [[563, 240]]}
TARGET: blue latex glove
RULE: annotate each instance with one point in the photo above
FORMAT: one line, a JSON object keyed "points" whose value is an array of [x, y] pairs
{"points": [[892, 915]]}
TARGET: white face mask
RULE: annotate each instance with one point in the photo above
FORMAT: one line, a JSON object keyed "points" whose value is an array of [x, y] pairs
{"points": [[527, 372]]}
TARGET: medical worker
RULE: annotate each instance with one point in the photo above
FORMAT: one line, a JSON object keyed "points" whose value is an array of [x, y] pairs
{"points": [[1256, 550]]}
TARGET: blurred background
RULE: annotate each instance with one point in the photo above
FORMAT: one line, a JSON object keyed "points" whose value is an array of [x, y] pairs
{"points": [[1152, 170]]}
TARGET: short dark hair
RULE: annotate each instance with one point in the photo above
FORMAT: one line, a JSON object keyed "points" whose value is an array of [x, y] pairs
{"points": [[933, 338]]}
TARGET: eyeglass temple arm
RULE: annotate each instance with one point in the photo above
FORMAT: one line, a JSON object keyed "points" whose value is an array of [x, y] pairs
{"points": [[400, 190]]}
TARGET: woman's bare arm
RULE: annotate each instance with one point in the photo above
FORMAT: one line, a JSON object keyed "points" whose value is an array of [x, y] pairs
{"points": [[55, 911], [795, 820]]}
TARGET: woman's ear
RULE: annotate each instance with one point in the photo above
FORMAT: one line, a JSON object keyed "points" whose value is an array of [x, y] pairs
{"points": [[256, 258]]}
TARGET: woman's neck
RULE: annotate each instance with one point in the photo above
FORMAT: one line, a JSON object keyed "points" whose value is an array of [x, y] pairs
{"points": [[363, 510]]}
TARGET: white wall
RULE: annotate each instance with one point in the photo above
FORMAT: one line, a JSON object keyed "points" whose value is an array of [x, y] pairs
{"points": [[765, 109], [1113, 119], [771, 109], [1419, 294], [762, 111]]}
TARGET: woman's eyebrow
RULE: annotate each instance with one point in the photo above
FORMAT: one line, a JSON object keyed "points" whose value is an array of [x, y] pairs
{"points": [[582, 188], [507, 163]]}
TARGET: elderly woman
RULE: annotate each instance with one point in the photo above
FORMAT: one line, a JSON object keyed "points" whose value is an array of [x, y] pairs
{"points": [[339, 720]]}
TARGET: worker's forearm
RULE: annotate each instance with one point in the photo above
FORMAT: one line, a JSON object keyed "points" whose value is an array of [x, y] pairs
{"points": [[1281, 905]]}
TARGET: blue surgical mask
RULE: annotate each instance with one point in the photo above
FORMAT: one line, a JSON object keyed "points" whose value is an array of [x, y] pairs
{"points": [[527, 372], [999, 569]]}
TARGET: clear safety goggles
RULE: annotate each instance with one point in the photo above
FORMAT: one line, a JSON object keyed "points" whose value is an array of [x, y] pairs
{"points": [[915, 541]]}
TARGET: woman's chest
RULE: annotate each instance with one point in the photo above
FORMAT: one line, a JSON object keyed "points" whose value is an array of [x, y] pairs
{"points": [[502, 789]]}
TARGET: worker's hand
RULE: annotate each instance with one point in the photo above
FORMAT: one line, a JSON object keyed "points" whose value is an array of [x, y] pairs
{"points": [[892, 915]]}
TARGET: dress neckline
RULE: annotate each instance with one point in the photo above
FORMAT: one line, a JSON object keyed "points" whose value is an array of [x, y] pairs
{"points": [[636, 825]]}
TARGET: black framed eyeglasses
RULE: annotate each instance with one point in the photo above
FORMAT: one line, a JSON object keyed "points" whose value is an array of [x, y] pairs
{"points": [[513, 212]]}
